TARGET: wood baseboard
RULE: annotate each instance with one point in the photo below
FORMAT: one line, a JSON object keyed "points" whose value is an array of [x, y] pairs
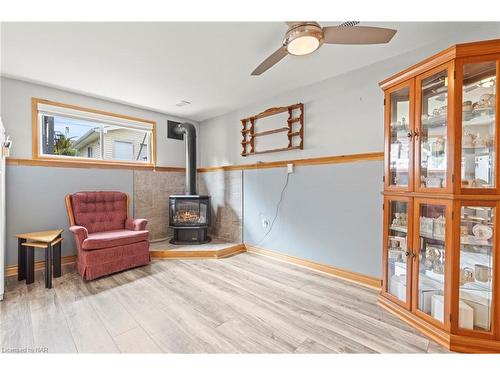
{"points": [[354, 277], [427, 329], [39, 265], [463, 344], [357, 278], [197, 253]]}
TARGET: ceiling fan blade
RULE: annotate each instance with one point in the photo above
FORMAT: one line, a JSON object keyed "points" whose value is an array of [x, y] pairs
{"points": [[293, 23], [357, 35], [270, 61]]}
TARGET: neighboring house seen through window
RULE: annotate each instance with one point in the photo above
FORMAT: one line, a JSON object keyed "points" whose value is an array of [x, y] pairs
{"points": [[123, 150], [83, 134]]}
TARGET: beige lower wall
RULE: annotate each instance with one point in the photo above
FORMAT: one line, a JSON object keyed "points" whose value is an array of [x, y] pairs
{"points": [[225, 189], [152, 189]]}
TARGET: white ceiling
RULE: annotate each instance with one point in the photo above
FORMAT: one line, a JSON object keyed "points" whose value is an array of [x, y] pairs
{"points": [[156, 65]]}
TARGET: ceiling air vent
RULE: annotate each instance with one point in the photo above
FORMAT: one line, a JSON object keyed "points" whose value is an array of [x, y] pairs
{"points": [[182, 103]]}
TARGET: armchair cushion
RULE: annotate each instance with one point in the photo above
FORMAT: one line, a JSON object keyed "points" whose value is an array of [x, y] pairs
{"points": [[100, 211], [122, 237], [136, 224]]}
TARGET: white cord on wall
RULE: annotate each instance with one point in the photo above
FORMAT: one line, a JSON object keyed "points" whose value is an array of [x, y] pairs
{"points": [[276, 213]]}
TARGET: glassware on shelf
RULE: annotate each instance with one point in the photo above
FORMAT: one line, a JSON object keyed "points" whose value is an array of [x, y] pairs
{"points": [[399, 129], [476, 265], [431, 259], [397, 248], [433, 130], [478, 125]]}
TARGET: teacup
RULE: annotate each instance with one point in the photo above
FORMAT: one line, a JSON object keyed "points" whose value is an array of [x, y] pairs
{"points": [[482, 272], [466, 275]]}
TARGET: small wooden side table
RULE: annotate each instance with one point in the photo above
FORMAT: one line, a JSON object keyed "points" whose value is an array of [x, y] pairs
{"points": [[50, 241]]}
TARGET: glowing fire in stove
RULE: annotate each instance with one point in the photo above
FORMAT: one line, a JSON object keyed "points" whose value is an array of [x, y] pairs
{"points": [[188, 216]]}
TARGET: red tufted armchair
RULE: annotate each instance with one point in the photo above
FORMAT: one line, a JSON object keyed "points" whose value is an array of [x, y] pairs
{"points": [[107, 239]]}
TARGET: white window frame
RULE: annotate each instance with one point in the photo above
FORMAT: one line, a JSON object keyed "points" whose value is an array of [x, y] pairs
{"points": [[41, 108]]}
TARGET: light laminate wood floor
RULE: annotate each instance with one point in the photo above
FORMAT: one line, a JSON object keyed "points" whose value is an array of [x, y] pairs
{"points": [[244, 304]]}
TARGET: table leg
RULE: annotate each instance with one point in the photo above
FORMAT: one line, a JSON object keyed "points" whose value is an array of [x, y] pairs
{"points": [[48, 267], [56, 251], [30, 264], [21, 260]]}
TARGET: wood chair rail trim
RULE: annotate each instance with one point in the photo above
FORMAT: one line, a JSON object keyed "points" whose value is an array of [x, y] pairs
{"points": [[334, 159]]}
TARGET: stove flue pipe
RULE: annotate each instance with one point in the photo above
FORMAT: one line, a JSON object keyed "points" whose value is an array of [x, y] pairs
{"points": [[189, 132]]}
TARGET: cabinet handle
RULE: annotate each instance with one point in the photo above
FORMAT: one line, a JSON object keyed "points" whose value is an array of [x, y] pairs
{"points": [[415, 134], [407, 253], [409, 135], [414, 254]]}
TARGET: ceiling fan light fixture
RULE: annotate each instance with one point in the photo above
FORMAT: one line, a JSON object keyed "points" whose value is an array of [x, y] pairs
{"points": [[303, 39], [303, 45]]}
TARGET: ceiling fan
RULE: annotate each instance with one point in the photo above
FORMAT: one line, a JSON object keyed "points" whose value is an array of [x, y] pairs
{"points": [[305, 37]]}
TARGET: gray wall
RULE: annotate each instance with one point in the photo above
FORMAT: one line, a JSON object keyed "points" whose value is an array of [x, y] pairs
{"points": [[330, 214], [35, 199], [343, 114], [16, 114], [35, 195]]}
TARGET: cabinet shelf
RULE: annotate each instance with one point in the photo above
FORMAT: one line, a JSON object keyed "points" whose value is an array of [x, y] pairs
{"points": [[431, 236], [272, 131], [399, 229]]}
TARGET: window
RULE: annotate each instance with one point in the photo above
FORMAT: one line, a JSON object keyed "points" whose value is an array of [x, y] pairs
{"points": [[69, 132]]}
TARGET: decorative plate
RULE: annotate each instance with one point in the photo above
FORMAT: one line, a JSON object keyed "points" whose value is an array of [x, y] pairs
{"points": [[482, 232], [433, 182]]}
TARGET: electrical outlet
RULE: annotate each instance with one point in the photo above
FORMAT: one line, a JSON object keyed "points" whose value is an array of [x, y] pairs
{"points": [[290, 167], [264, 222]]}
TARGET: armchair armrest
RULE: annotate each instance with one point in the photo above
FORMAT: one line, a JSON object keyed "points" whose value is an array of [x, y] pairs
{"points": [[81, 233], [136, 224]]}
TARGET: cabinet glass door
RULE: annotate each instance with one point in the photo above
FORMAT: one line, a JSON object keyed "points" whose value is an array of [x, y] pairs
{"points": [[431, 251], [476, 267], [400, 136], [433, 131], [478, 125], [397, 258]]}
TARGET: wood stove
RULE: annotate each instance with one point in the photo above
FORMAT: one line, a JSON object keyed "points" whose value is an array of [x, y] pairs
{"points": [[190, 218], [189, 213]]}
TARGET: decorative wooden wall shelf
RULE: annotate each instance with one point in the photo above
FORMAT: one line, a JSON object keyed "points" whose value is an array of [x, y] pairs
{"points": [[249, 134]]}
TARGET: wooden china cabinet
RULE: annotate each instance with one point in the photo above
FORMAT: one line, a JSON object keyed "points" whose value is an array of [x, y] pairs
{"points": [[442, 197]]}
